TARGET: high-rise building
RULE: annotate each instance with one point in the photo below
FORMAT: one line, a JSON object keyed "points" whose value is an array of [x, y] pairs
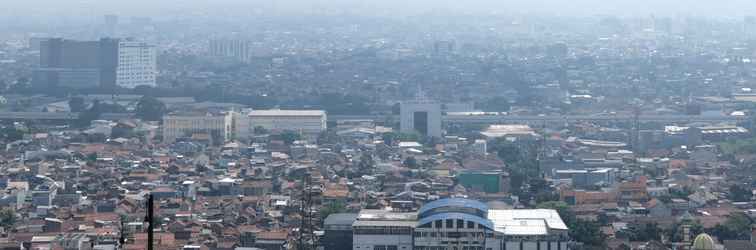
{"points": [[421, 116], [76, 64], [237, 49], [111, 23], [137, 65], [88, 64], [108, 62]]}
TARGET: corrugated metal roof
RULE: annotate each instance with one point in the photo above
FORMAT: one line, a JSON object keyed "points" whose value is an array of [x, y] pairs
{"points": [[340, 219], [383, 223]]}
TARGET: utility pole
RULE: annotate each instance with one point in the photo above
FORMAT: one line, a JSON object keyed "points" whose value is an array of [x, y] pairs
{"points": [[150, 221]]}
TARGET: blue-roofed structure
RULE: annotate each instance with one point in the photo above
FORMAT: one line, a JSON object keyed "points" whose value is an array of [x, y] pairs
{"points": [[459, 205], [457, 223], [488, 224]]}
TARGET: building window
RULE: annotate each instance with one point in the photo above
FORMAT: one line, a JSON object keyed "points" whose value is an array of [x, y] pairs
{"points": [[470, 224], [449, 223], [460, 223], [437, 224]]}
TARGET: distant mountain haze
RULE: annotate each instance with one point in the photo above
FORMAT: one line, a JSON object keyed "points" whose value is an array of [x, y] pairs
{"points": [[720, 8]]}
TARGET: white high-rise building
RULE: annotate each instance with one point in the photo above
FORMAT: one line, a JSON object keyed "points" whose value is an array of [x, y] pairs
{"points": [[421, 116], [137, 64], [238, 49]]}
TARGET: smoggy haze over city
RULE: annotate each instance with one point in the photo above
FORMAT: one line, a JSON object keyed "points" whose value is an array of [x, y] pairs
{"points": [[725, 8], [378, 124]]}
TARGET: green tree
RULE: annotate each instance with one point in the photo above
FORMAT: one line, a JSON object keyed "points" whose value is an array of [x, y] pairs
{"points": [[7, 217], [92, 157], [495, 104], [540, 190], [586, 232], [388, 138], [366, 163], [150, 109], [76, 104], [332, 208], [10, 133], [564, 210], [410, 162], [289, 136], [86, 117], [736, 227], [675, 233], [260, 130], [739, 194], [642, 232], [507, 151], [328, 137]]}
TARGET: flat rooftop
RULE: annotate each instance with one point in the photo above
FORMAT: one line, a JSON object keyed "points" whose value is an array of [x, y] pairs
{"points": [[279, 112], [494, 131], [526, 221], [340, 219], [385, 215]]}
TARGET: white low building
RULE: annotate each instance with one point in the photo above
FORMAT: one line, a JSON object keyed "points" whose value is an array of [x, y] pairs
{"points": [[385, 230], [309, 123], [216, 126]]}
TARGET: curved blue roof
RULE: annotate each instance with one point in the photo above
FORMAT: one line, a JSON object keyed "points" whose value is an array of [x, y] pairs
{"points": [[454, 202], [467, 217]]}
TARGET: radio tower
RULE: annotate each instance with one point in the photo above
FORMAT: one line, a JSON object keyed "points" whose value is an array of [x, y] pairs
{"points": [[306, 240]]}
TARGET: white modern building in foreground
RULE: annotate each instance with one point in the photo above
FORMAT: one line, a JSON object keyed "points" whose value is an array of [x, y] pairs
{"points": [[460, 224], [309, 123], [385, 230], [137, 65]]}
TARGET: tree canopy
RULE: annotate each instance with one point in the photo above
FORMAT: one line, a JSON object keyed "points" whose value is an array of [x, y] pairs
{"points": [[736, 227], [586, 232], [288, 136], [76, 104], [150, 109], [739, 194], [7, 217]]}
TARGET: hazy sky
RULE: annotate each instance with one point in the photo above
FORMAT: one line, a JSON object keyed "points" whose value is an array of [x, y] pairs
{"points": [[718, 8]]}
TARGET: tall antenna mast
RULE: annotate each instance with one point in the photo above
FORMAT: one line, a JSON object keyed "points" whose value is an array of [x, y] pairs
{"points": [[150, 221]]}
